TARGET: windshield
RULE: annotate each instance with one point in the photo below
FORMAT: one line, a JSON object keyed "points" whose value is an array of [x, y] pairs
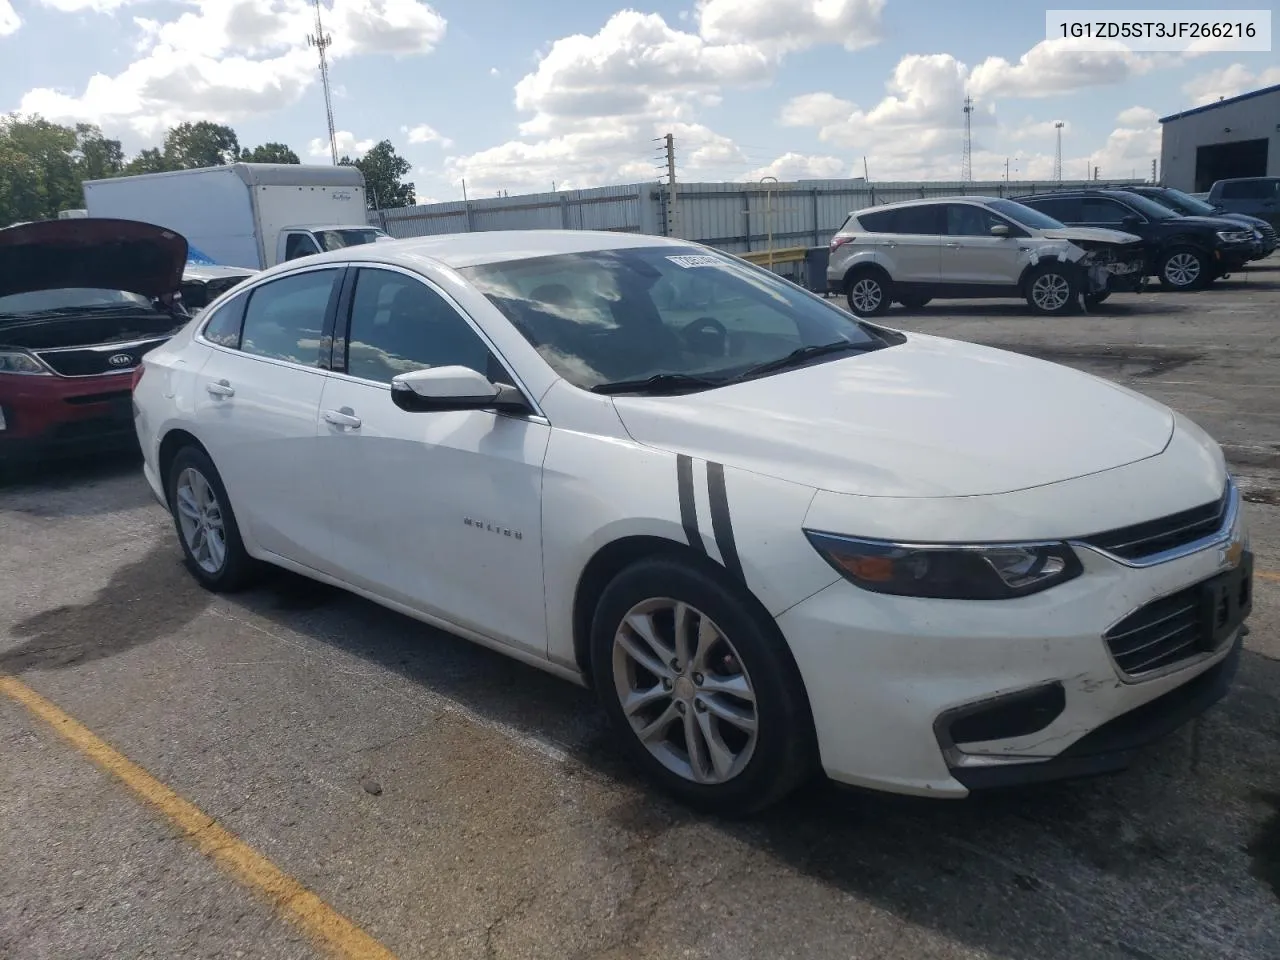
{"points": [[347, 237], [1025, 215], [1185, 203], [613, 316], [70, 298], [1149, 208]]}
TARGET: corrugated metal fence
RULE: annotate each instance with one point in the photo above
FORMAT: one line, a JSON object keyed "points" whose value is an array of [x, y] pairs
{"points": [[735, 217]]}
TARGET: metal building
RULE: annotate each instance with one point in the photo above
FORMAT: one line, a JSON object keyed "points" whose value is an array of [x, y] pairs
{"points": [[1236, 137]]}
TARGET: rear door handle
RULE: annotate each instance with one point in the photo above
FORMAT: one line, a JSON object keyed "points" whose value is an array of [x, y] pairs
{"points": [[220, 388], [340, 419]]}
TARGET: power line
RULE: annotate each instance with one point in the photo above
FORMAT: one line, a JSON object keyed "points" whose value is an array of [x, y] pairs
{"points": [[321, 40]]}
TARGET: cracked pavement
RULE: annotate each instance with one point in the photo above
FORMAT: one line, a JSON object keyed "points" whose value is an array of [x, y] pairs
{"points": [[456, 804]]}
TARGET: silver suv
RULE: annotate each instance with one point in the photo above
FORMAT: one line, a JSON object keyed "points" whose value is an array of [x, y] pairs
{"points": [[969, 247]]}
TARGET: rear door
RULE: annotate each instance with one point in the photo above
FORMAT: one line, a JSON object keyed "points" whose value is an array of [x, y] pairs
{"points": [[972, 255], [909, 246], [257, 404]]}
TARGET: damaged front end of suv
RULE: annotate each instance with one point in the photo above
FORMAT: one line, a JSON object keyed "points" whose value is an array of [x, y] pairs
{"points": [[1110, 265]]}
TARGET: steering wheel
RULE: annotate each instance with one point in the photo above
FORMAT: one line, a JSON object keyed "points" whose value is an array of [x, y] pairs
{"points": [[706, 335]]}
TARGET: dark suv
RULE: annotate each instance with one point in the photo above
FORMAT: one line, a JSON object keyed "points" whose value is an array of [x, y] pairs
{"points": [[1185, 253], [1190, 206]]}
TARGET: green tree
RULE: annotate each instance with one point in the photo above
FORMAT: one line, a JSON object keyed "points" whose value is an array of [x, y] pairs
{"points": [[38, 175], [97, 157], [202, 144], [269, 153], [150, 160], [383, 169]]}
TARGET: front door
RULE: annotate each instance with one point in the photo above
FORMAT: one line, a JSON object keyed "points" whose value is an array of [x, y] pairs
{"points": [[440, 511], [256, 405], [972, 255]]}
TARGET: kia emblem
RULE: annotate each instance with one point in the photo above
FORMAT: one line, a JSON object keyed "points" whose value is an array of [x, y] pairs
{"points": [[120, 360]]}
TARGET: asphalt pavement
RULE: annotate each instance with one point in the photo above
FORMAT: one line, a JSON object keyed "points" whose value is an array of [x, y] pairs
{"points": [[449, 802]]}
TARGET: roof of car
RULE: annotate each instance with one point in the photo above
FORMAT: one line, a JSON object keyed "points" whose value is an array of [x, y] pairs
{"points": [[493, 246], [897, 205]]}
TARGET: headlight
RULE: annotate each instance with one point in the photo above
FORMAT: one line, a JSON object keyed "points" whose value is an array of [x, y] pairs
{"points": [[948, 571], [21, 363], [1234, 236]]}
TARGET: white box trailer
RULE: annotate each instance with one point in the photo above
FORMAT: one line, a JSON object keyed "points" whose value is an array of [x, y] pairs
{"points": [[245, 214]]}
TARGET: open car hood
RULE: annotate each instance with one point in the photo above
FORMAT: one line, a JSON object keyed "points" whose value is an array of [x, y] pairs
{"points": [[91, 252]]}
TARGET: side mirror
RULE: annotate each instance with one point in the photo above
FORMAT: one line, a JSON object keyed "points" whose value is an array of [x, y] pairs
{"points": [[454, 388], [1000, 230]]}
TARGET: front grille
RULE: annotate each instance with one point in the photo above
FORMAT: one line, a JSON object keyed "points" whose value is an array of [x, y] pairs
{"points": [[1142, 540], [1173, 628], [94, 361]]}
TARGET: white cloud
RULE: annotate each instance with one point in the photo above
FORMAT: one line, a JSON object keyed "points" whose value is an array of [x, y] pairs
{"points": [[347, 143], [225, 60], [97, 6], [1055, 67], [495, 72], [1137, 117], [9, 19], [781, 28], [1038, 130], [799, 166], [423, 133], [1230, 81]]}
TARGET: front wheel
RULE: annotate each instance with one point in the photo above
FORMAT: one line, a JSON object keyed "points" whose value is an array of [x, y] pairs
{"points": [[868, 294], [206, 524], [700, 687], [1184, 268], [1051, 290]]}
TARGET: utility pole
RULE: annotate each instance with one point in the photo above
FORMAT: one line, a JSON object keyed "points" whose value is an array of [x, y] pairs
{"points": [[966, 157], [670, 227], [321, 40], [1154, 179], [1057, 157]]}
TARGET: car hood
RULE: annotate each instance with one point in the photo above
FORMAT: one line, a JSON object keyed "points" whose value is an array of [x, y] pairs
{"points": [[1214, 223], [1098, 234], [91, 252], [928, 418], [1245, 219]]}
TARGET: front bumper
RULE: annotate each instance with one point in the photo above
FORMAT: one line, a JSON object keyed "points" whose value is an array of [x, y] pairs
{"points": [[887, 676], [49, 416]]}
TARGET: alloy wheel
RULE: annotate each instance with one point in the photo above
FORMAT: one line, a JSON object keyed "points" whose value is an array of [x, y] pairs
{"points": [[200, 517], [684, 690], [1182, 269], [866, 295], [1051, 291]]}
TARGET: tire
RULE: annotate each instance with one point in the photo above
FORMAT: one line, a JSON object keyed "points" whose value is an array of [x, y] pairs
{"points": [[1091, 300], [1184, 268], [759, 769], [1051, 290], [868, 293], [915, 303], [192, 480]]}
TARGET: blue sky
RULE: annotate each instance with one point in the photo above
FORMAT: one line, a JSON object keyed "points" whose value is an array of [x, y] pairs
{"points": [[519, 96]]}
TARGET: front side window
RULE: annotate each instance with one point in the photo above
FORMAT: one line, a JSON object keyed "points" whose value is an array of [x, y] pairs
{"points": [[1101, 210], [1025, 215], [285, 317], [611, 316], [399, 324], [968, 220]]}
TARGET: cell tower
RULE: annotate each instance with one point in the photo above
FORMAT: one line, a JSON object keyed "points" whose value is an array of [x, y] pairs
{"points": [[966, 158], [1057, 156], [321, 40]]}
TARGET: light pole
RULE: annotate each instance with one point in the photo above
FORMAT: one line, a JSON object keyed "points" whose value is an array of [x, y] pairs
{"points": [[768, 211]]}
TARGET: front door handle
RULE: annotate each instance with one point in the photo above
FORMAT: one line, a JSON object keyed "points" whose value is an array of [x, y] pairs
{"points": [[340, 419], [954, 243], [220, 388]]}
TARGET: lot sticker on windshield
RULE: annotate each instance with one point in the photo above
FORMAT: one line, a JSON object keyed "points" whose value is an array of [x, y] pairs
{"points": [[696, 260]]}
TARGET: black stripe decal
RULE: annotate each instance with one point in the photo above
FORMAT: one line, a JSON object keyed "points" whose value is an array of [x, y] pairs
{"points": [[721, 524], [688, 511]]}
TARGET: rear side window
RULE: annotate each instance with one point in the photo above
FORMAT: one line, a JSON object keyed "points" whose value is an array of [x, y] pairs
{"points": [[223, 327], [927, 219], [878, 221], [1062, 209], [1249, 189], [285, 317]]}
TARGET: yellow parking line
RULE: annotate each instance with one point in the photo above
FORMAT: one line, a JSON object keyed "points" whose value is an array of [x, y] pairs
{"points": [[330, 929]]}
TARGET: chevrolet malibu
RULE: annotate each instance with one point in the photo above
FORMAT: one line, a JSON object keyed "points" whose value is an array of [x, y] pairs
{"points": [[775, 538]]}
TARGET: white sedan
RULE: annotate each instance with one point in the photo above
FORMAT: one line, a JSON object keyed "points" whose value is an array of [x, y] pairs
{"points": [[773, 537]]}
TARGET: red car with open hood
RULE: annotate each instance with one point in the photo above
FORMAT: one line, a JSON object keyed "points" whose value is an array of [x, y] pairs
{"points": [[81, 301]]}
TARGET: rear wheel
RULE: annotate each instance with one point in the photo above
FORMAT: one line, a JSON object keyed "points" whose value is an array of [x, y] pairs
{"points": [[700, 687], [1051, 290], [206, 524], [868, 293], [1184, 268]]}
